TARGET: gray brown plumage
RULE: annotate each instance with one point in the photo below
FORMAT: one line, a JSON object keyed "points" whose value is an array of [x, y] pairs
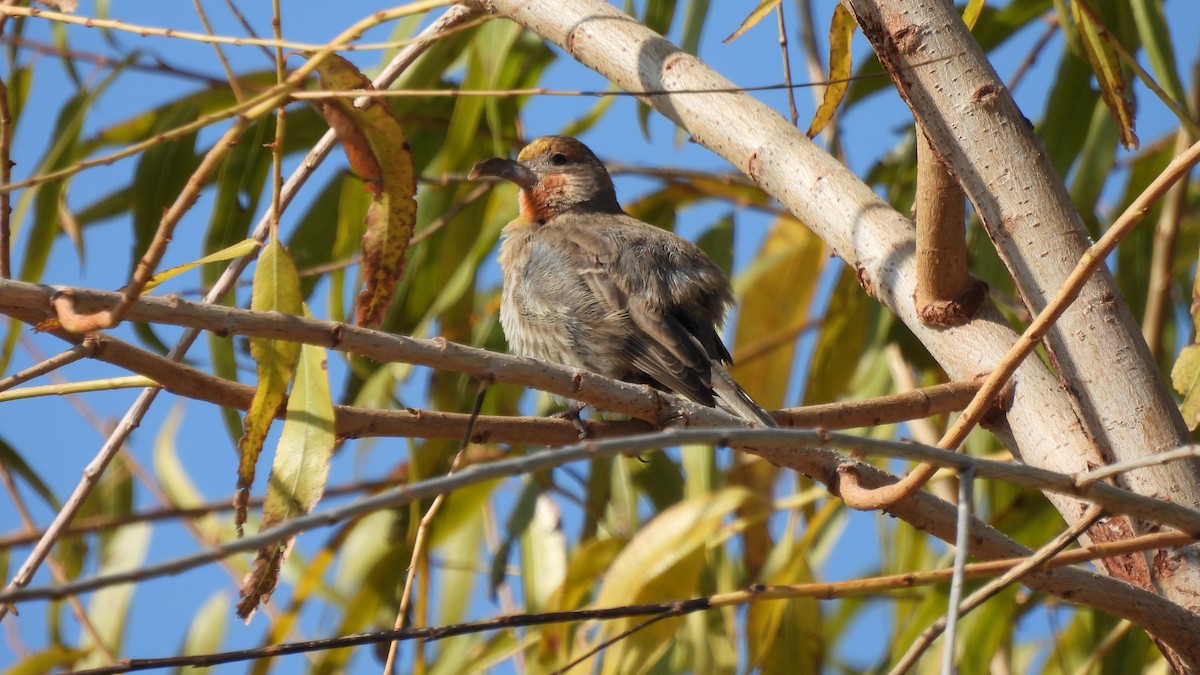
{"points": [[589, 286]]}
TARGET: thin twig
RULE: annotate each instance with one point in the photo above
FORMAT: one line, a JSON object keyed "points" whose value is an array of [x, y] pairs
{"points": [[1112, 499], [1166, 231], [1104, 472], [1089, 262], [424, 526], [453, 16], [673, 611], [1040, 558], [6, 164], [787, 67], [966, 499], [820, 591], [85, 349], [103, 523], [56, 569], [230, 77], [1031, 58], [419, 44], [145, 31]]}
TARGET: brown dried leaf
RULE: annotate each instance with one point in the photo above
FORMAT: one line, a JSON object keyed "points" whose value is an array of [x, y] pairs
{"points": [[378, 151]]}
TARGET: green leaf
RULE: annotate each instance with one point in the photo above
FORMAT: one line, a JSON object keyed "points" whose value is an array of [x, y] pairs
{"points": [[1160, 50], [47, 661], [276, 289], [971, 12], [1106, 65], [108, 608], [299, 470], [13, 462], [840, 345], [787, 634], [206, 632]]}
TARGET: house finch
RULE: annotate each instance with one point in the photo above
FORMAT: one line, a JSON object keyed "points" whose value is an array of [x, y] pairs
{"points": [[589, 286]]}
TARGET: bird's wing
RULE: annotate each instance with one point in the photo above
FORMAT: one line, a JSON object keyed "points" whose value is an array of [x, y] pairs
{"points": [[659, 344]]}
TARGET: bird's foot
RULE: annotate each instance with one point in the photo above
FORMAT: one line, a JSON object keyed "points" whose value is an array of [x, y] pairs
{"points": [[572, 413]]}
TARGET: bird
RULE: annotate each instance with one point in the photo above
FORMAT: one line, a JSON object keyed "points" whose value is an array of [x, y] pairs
{"points": [[589, 286]]}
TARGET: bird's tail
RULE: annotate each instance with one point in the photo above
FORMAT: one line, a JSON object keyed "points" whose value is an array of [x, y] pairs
{"points": [[732, 398]]}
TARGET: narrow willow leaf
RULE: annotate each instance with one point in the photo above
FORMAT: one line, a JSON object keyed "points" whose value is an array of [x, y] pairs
{"points": [[663, 561], [236, 251], [543, 555], [693, 25], [124, 551], [841, 30], [175, 482], [298, 472], [1106, 65], [206, 632], [787, 634], [840, 345], [14, 463], [971, 12], [757, 14], [1160, 50], [765, 347], [379, 153], [1185, 377], [46, 661], [276, 289]]}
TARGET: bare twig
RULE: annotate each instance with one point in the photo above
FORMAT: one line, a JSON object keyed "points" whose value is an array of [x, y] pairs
{"points": [[787, 66], [808, 447], [114, 24], [966, 499], [234, 84], [56, 569], [822, 591], [82, 350], [1092, 259], [1166, 231], [1043, 554], [419, 552]]}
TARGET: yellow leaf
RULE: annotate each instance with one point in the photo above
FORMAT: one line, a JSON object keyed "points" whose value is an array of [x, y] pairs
{"points": [[662, 562], [276, 289], [379, 153], [299, 470], [764, 8], [789, 264], [972, 11], [228, 253], [1185, 377], [1106, 64], [841, 30]]}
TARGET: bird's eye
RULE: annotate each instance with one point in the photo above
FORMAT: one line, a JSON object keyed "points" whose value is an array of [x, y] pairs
{"points": [[558, 159]]}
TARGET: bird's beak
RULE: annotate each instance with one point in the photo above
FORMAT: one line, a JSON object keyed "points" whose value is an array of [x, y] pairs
{"points": [[506, 169]]}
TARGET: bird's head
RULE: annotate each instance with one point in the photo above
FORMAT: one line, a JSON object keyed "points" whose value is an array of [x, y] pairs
{"points": [[556, 175]]}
